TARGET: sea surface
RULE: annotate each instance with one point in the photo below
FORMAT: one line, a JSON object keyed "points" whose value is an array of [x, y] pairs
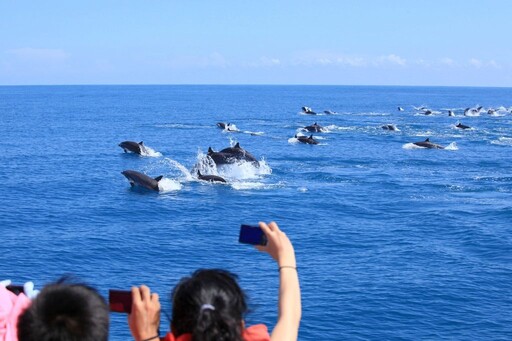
{"points": [[393, 241]]}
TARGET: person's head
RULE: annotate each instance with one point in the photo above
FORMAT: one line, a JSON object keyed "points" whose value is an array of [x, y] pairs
{"points": [[210, 305], [65, 311]]}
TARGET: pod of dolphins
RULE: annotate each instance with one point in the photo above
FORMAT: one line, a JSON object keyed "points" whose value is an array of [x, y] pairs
{"points": [[467, 112], [236, 153], [228, 155]]}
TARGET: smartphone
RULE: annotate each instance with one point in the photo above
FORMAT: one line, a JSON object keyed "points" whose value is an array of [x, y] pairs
{"points": [[252, 235], [15, 289], [120, 301]]}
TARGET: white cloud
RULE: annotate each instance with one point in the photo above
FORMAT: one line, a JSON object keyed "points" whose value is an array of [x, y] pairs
{"points": [[447, 61], [492, 63], [214, 59], [265, 61], [351, 61], [475, 62], [323, 61], [313, 58], [392, 59]]}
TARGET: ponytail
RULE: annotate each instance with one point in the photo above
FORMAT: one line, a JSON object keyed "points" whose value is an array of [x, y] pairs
{"points": [[211, 325], [209, 305]]}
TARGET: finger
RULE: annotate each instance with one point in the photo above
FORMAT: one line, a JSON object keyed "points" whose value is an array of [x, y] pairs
{"points": [[136, 295], [274, 226], [266, 229], [155, 297], [144, 292]]}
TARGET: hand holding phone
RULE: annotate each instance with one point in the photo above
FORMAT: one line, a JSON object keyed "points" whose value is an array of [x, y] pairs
{"points": [[120, 301], [253, 235]]}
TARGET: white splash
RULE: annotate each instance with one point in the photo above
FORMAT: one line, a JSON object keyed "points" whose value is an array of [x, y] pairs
{"points": [[452, 146], [254, 133], [247, 185], [231, 172], [181, 168], [150, 152], [244, 170], [412, 146], [169, 166], [168, 185], [231, 128], [333, 127], [503, 141]]}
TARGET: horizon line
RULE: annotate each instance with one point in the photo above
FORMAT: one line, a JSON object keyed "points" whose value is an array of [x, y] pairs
{"points": [[255, 84]]}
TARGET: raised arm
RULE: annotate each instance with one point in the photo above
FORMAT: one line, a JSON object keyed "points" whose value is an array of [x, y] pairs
{"points": [[144, 319], [289, 306]]}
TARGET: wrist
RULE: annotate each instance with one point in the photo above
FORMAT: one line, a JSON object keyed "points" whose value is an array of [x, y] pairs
{"points": [[289, 261], [155, 337], [149, 336]]}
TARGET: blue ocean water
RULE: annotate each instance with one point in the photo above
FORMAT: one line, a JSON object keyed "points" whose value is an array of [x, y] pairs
{"points": [[393, 242]]}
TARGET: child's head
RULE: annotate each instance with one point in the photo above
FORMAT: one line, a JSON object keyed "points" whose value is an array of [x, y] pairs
{"points": [[65, 311], [210, 305]]}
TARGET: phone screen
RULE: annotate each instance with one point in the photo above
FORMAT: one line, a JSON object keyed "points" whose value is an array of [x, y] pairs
{"points": [[252, 235], [120, 301]]}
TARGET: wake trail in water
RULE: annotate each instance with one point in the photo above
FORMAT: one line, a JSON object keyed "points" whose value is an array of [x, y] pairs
{"points": [[150, 152]]}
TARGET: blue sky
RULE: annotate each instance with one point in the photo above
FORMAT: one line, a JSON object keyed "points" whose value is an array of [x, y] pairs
{"points": [[450, 42]]}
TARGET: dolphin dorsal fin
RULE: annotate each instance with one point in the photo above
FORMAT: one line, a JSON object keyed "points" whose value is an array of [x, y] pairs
{"points": [[210, 150], [295, 136], [311, 136], [141, 142], [428, 139], [158, 178], [198, 173], [237, 145]]}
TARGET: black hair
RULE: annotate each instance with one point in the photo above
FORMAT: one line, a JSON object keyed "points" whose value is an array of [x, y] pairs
{"points": [[65, 311], [210, 305]]}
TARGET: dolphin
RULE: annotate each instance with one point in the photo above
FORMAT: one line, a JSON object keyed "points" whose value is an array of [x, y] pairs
{"points": [[428, 144], [227, 126], [211, 178], [231, 155], [329, 112], [134, 147], [239, 153], [142, 180], [462, 126], [451, 113], [400, 109], [316, 128], [428, 112], [308, 110], [392, 127], [223, 125], [472, 112], [220, 158], [305, 139]]}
